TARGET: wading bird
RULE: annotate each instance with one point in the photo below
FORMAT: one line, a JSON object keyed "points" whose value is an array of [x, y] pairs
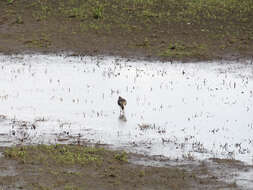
{"points": [[122, 102]]}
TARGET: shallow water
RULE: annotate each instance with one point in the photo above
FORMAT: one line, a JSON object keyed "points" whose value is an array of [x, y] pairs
{"points": [[181, 111]]}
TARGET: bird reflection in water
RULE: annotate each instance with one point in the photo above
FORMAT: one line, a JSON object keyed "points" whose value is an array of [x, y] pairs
{"points": [[122, 103]]}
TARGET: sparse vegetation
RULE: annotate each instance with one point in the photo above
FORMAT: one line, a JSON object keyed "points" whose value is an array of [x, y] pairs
{"points": [[164, 29], [121, 156], [179, 51], [10, 1], [19, 20], [39, 41], [98, 12], [58, 154], [199, 29], [75, 167], [80, 167]]}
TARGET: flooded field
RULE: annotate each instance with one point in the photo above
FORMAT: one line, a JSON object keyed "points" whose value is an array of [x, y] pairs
{"points": [[181, 111]]}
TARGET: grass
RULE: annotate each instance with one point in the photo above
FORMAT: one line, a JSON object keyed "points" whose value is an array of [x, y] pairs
{"points": [[98, 11], [74, 167], [197, 28], [62, 154], [179, 50], [58, 154], [19, 20], [151, 11], [39, 40], [10, 1], [121, 156]]}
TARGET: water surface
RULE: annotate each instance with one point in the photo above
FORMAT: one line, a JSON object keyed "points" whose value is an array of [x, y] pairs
{"points": [[181, 111]]}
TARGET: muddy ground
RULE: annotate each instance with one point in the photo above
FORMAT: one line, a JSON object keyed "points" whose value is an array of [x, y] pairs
{"points": [[166, 30], [74, 167]]}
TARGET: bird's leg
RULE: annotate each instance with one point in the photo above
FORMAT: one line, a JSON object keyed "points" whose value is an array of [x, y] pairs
{"points": [[122, 112]]}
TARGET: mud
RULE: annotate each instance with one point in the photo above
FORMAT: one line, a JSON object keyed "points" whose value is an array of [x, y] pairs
{"points": [[190, 122], [164, 30], [46, 167]]}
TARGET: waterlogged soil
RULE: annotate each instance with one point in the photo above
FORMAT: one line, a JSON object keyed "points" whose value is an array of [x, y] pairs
{"points": [[84, 167], [201, 139], [49, 99]]}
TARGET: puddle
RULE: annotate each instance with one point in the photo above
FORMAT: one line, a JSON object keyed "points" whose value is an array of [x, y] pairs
{"points": [[245, 179], [181, 111]]}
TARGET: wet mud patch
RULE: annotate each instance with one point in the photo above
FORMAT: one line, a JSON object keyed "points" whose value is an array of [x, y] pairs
{"points": [[78, 167]]}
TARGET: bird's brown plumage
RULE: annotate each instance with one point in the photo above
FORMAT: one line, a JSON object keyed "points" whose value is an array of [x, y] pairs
{"points": [[122, 102]]}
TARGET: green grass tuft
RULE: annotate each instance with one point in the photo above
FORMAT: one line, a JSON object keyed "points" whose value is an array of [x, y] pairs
{"points": [[59, 154], [121, 156]]}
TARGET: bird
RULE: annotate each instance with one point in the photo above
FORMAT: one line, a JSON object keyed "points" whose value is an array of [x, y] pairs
{"points": [[122, 103]]}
